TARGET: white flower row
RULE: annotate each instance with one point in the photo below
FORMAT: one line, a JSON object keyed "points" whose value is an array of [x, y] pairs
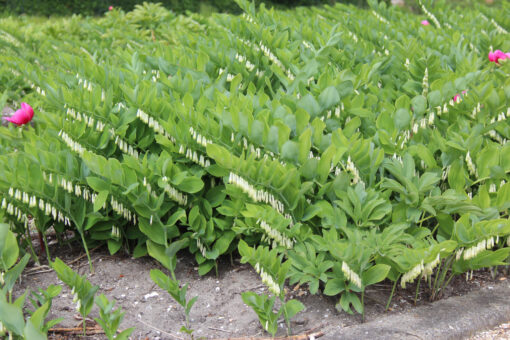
{"points": [[274, 59], [147, 186], [201, 248], [404, 138], [339, 109], [153, 124], [268, 280], [47, 208], [202, 140], [430, 15], [499, 29], [471, 166], [254, 194], [473, 251], [380, 18], [194, 156], [353, 170], [277, 236], [73, 145], [412, 274], [88, 120], [351, 275], [119, 208], [174, 194], [14, 211], [242, 59], [429, 267], [425, 82], [115, 232]]}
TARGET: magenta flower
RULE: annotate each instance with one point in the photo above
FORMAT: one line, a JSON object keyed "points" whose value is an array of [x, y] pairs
{"points": [[457, 96], [22, 116], [497, 55], [425, 22], [110, 8]]}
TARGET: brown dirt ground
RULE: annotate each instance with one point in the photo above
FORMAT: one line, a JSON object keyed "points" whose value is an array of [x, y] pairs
{"points": [[219, 311]]}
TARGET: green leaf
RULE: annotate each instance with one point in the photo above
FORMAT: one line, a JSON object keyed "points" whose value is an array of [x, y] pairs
{"points": [[329, 97], [9, 250], [157, 251], [292, 307], [191, 185], [334, 287], [375, 274], [100, 200]]}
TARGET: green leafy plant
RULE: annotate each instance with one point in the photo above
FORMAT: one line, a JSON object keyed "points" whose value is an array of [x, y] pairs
{"points": [[178, 293], [273, 273], [83, 291], [109, 319]]}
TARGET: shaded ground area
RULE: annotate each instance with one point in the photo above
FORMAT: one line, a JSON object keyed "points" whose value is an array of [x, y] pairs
{"points": [[219, 311]]}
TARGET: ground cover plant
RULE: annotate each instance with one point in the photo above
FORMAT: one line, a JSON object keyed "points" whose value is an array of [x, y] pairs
{"points": [[333, 147]]}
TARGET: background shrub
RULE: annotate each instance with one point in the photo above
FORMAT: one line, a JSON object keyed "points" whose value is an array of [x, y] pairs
{"points": [[97, 7]]}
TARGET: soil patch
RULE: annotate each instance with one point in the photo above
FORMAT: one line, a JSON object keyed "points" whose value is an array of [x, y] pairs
{"points": [[219, 311]]}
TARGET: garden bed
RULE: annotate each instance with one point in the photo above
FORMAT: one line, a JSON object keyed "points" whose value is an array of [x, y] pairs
{"points": [[219, 311]]}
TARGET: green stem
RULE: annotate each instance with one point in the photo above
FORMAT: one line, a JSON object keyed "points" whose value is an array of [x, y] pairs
{"points": [[363, 305], [438, 271], [86, 251], [31, 246], [447, 282], [391, 295], [417, 290], [485, 178]]}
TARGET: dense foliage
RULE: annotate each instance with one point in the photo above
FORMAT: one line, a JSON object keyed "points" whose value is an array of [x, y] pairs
{"points": [[98, 7], [333, 146]]}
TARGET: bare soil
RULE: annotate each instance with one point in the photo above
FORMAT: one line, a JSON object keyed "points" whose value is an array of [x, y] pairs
{"points": [[219, 311]]}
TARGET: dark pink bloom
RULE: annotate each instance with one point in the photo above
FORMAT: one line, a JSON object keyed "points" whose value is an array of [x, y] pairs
{"points": [[425, 22], [110, 8], [497, 55], [22, 116], [458, 95]]}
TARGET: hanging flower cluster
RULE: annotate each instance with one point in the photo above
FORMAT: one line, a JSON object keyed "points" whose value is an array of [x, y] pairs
{"points": [[88, 120], [429, 267], [194, 156], [242, 59], [353, 170], [278, 237], [254, 194], [13, 210], [202, 140], [337, 111], [201, 248], [46, 207], [147, 186], [268, 280], [153, 124], [76, 299], [86, 84], [274, 59], [473, 251], [429, 14], [380, 18], [471, 166], [425, 82], [174, 194], [119, 208], [351, 275], [412, 274], [73, 145], [115, 232]]}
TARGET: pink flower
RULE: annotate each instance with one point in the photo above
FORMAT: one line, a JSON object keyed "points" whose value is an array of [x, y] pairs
{"points": [[110, 8], [457, 96], [425, 22], [497, 55], [22, 116]]}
